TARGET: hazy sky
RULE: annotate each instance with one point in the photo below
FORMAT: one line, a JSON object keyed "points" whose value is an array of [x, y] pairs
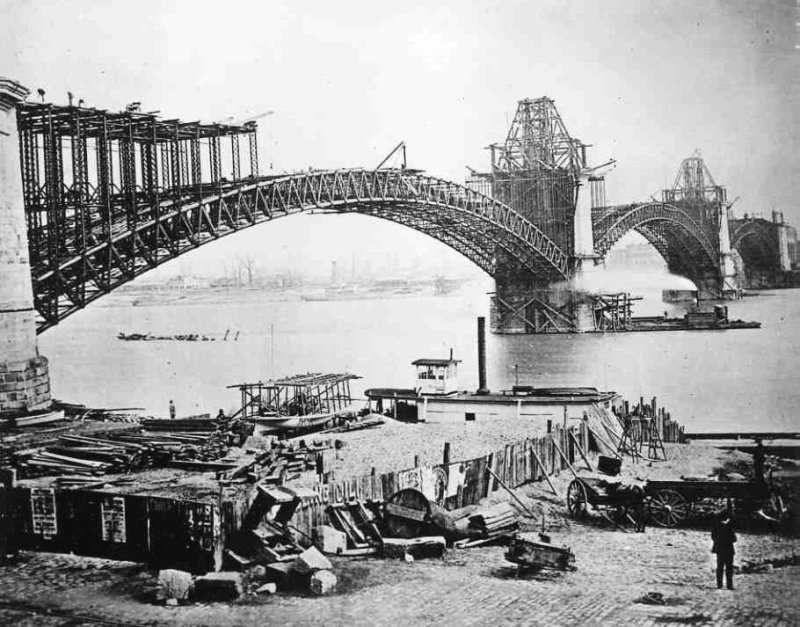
{"points": [[644, 82]]}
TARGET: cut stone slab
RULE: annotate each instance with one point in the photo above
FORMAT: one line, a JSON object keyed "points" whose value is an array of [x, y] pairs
{"points": [[330, 540], [322, 582], [267, 588], [218, 587], [311, 560], [426, 546], [174, 584]]}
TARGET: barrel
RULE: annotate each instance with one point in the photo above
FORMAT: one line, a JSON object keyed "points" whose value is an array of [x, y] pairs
{"points": [[609, 465]]}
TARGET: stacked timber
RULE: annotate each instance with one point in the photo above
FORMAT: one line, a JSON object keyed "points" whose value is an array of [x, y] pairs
{"points": [[121, 452], [286, 461], [495, 522]]}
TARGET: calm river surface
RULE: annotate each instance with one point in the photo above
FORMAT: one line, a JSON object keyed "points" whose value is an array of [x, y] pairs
{"points": [[711, 381]]}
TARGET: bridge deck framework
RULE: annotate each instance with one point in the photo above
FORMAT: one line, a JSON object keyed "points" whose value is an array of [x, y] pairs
{"points": [[86, 172]]}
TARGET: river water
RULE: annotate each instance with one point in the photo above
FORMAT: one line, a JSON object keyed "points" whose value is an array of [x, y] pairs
{"points": [[709, 380]]}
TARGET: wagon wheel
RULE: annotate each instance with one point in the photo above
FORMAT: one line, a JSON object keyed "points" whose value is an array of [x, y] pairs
{"points": [[577, 499], [668, 508]]}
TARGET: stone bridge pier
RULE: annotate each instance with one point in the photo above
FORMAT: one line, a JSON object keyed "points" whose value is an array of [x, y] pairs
{"points": [[24, 374]]}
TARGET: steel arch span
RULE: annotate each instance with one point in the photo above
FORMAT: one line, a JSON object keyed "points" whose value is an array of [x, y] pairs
{"points": [[68, 276], [756, 243], [672, 231]]}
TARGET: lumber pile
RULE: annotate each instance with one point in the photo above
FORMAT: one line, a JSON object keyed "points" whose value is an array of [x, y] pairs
{"points": [[285, 461], [121, 452], [498, 521]]}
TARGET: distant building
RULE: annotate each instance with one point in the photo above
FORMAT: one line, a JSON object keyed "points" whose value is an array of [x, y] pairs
{"points": [[185, 282]]}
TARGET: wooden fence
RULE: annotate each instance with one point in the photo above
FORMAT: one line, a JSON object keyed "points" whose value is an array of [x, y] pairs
{"points": [[160, 531], [456, 484]]}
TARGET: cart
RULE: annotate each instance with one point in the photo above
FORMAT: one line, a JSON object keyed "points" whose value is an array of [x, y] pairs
{"points": [[626, 502], [670, 502]]}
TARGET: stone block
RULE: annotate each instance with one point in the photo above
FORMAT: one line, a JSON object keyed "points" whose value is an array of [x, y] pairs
{"points": [[174, 584], [329, 540], [429, 546], [322, 582], [223, 586], [311, 560], [267, 588]]}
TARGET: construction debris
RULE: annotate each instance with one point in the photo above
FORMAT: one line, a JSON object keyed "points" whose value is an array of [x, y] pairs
{"points": [[428, 546], [174, 584], [330, 540], [159, 443], [529, 553], [358, 524], [310, 561], [322, 582]]}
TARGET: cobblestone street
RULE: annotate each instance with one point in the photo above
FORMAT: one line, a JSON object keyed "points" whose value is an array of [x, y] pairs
{"points": [[471, 587]]}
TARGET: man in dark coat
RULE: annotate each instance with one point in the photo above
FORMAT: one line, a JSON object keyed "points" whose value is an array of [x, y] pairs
{"points": [[758, 463], [724, 538]]}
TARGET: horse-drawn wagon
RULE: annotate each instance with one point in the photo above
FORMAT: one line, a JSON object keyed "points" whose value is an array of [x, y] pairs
{"points": [[671, 502]]}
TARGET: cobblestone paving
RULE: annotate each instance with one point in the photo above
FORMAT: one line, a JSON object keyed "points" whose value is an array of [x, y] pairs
{"points": [[474, 587]]}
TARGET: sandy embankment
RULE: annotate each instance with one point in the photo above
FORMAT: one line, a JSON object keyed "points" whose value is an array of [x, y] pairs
{"points": [[394, 445]]}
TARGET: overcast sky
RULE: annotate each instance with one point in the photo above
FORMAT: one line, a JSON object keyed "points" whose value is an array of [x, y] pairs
{"points": [[644, 82]]}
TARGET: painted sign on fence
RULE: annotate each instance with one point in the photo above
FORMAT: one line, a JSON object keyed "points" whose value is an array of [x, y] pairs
{"points": [[112, 514], [43, 512]]}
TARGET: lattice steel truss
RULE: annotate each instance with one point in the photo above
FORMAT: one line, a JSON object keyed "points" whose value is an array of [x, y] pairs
{"points": [[90, 175], [672, 230], [110, 196], [535, 170]]}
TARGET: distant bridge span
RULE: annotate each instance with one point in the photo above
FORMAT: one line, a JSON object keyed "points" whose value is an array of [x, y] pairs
{"points": [[467, 221], [677, 236]]}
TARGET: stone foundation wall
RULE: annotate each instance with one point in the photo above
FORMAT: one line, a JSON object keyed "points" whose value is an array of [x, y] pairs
{"points": [[24, 385]]}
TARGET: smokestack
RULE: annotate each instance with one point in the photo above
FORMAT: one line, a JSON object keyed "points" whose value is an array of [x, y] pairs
{"points": [[482, 389]]}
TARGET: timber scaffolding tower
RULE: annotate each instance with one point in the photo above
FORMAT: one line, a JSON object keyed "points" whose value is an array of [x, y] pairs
{"points": [[88, 172], [536, 170]]}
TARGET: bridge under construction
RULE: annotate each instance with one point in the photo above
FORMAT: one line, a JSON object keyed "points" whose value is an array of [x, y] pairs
{"points": [[90, 199]]}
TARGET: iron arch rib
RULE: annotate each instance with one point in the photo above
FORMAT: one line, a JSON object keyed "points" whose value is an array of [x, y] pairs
{"points": [[659, 223], [473, 224]]}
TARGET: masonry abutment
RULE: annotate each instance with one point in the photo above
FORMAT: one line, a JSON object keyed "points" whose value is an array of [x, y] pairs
{"points": [[24, 374]]}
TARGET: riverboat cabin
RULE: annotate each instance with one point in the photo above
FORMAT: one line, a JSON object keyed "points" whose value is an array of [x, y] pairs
{"points": [[437, 376], [436, 398]]}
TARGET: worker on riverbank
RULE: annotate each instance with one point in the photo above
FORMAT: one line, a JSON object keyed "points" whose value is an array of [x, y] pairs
{"points": [[758, 463], [171, 410], [724, 538]]}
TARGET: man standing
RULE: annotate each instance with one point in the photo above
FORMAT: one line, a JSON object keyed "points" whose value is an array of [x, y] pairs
{"points": [[758, 463], [171, 410], [724, 538]]}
